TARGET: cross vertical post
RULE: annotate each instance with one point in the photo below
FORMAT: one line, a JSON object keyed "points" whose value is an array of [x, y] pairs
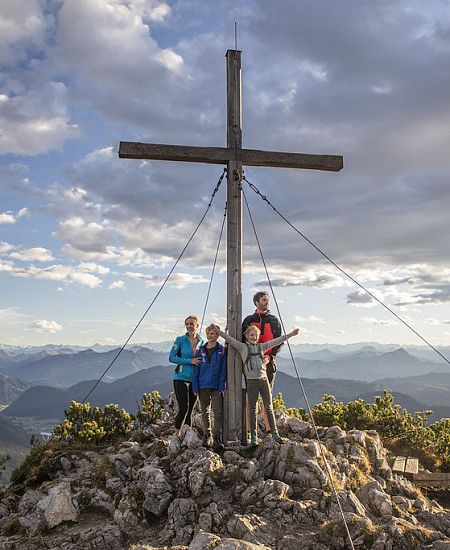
{"points": [[234, 156], [233, 399]]}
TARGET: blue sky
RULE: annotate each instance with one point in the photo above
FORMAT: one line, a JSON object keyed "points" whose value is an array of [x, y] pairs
{"points": [[86, 238]]}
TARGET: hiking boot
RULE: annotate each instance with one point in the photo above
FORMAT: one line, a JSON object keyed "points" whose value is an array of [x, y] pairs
{"points": [[277, 437], [254, 440], [218, 445]]}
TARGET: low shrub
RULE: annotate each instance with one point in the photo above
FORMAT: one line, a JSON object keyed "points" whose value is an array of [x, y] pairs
{"points": [[93, 426], [398, 428]]}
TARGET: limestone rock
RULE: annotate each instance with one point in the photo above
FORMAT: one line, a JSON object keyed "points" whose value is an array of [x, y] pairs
{"points": [[58, 506], [156, 489], [297, 426], [159, 489], [204, 541], [189, 438]]}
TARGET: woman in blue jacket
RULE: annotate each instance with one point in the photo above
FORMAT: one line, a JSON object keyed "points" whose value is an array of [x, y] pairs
{"points": [[183, 355]]}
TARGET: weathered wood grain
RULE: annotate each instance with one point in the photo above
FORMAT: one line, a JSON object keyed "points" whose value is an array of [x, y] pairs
{"points": [[399, 464], [223, 155], [233, 425], [412, 465]]}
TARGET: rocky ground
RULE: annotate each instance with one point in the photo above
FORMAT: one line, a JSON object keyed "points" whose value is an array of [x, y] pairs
{"points": [[157, 490]]}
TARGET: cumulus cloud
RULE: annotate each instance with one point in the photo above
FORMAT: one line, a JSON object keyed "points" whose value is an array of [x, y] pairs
{"points": [[116, 80], [360, 298], [35, 254], [70, 202], [310, 278], [90, 267], [21, 23], [7, 217], [88, 237], [57, 272], [48, 327], [117, 284], [178, 280], [5, 247], [10, 217], [35, 121]]}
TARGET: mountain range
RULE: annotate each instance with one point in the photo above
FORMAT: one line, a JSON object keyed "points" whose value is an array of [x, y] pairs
{"points": [[68, 368], [63, 367], [366, 364], [11, 388], [50, 402]]}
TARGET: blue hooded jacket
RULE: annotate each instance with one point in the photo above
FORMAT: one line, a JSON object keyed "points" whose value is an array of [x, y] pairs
{"points": [[182, 354], [211, 373]]}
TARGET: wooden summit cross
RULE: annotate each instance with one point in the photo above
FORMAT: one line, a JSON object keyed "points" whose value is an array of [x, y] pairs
{"points": [[234, 157]]}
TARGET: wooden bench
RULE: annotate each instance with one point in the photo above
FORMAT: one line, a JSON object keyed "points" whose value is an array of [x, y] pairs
{"points": [[437, 480], [406, 466]]}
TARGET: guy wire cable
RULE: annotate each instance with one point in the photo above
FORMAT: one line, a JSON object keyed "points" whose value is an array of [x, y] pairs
{"points": [[213, 267], [162, 286], [327, 465], [265, 199]]}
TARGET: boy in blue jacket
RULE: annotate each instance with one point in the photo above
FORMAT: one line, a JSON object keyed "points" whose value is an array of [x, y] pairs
{"points": [[208, 382]]}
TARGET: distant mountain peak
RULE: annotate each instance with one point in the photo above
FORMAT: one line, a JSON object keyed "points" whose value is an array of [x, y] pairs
{"points": [[369, 349], [400, 352]]}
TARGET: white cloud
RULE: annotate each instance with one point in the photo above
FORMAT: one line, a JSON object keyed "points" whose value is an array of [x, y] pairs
{"points": [[70, 203], [58, 272], [156, 11], [10, 217], [85, 236], [23, 212], [49, 327], [375, 321], [170, 59], [178, 280], [35, 121], [7, 217], [90, 267], [117, 284], [118, 255], [20, 22], [314, 278], [36, 254], [5, 247], [103, 73]]}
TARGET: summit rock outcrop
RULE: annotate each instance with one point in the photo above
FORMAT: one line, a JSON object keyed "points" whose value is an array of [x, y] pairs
{"points": [[157, 490]]}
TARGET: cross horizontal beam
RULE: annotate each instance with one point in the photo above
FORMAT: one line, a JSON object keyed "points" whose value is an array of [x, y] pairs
{"points": [[222, 155]]}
